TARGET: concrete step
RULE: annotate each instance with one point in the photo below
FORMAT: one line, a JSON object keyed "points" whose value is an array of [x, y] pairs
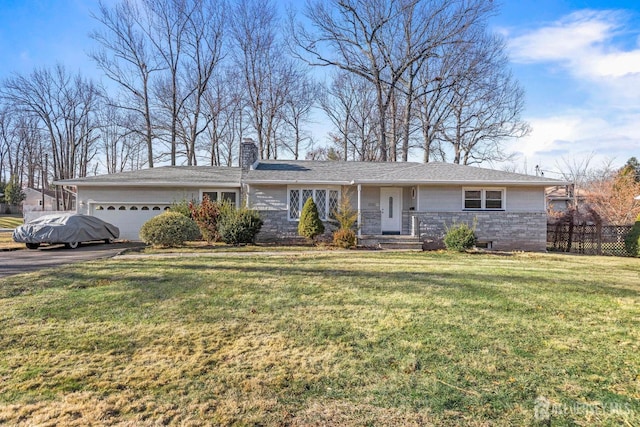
{"points": [[391, 242], [417, 246]]}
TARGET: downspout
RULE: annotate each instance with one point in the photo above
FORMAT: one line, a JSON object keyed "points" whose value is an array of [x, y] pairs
{"points": [[359, 211]]}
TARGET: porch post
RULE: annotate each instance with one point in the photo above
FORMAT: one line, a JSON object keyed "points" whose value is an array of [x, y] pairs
{"points": [[359, 210]]}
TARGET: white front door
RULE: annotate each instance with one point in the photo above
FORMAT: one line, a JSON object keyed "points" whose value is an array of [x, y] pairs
{"points": [[391, 209]]}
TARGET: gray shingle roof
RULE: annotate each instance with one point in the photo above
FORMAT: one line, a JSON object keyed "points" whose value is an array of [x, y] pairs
{"points": [[314, 172], [276, 171], [164, 176]]}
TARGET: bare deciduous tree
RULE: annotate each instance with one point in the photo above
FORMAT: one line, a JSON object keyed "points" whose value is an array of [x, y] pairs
{"points": [[300, 99], [65, 107], [264, 69], [224, 106], [612, 196], [122, 148], [383, 41], [126, 58], [350, 104], [203, 53], [486, 103]]}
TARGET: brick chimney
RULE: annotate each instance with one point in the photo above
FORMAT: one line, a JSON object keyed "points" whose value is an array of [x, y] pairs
{"points": [[248, 153]]}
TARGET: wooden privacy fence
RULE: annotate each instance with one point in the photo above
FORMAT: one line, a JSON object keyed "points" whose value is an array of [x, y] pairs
{"points": [[588, 239]]}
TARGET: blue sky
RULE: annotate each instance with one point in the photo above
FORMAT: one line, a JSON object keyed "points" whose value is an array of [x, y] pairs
{"points": [[579, 62]]}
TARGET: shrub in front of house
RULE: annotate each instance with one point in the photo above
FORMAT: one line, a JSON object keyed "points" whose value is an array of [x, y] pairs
{"points": [[460, 237], [345, 237], [169, 229], [238, 226], [181, 207], [206, 216], [632, 240], [310, 225]]}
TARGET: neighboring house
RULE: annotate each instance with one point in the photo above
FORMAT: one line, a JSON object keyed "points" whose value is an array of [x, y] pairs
{"points": [[561, 198], [37, 200], [412, 199]]}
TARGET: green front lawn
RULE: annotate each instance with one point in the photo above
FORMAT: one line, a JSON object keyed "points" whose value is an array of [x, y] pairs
{"points": [[324, 339]]}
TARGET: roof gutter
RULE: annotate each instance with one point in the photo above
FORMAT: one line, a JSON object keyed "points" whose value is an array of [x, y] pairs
{"points": [[461, 182], [295, 182]]}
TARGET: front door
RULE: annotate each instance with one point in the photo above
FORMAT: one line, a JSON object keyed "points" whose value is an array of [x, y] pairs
{"points": [[391, 209]]}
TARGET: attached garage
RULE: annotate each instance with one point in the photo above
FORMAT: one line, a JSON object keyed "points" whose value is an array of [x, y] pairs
{"points": [[129, 218], [129, 199]]}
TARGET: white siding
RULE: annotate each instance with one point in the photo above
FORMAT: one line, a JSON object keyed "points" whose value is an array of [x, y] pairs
{"points": [[370, 198], [268, 197], [449, 199], [440, 199], [527, 199], [112, 195]]}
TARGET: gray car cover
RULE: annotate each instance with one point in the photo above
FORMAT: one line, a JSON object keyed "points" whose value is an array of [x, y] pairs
{"points": [[65, 228]]}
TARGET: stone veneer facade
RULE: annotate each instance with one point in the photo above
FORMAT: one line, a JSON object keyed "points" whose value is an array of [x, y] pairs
{"points": [[505, 230], [277, 227]]}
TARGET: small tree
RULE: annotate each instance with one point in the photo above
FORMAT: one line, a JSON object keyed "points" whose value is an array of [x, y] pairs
{"points": [[632, 241], [13, 194], [206, 216], [612, 197], [346, 216], [310, 224]]}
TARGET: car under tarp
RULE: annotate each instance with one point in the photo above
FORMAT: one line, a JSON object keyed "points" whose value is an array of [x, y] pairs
{"points": [[65, 228]]}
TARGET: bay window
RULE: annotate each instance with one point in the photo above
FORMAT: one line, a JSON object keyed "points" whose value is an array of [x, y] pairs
{"points": [[327, 201]]}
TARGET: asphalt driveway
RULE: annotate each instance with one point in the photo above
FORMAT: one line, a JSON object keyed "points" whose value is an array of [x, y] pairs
{"points": [[25, 261]]}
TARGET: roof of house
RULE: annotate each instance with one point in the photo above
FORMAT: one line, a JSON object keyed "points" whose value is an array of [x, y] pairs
{"points": [[164, 176], [314, 172], [564, 193], [47, 192], [345, 173]]}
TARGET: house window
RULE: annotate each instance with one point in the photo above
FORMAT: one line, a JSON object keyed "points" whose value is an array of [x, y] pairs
{"points": [[483, 198], [229, 196], [334, 202], [216, 195], [327, 201], [212, 195]]}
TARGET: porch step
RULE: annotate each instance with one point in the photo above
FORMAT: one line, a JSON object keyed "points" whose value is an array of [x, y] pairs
{"points": [[391, 242]]}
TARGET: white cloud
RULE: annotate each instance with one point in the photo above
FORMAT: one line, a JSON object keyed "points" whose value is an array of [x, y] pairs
{"points": [[582, 42], [603, 121], [579, 134]]}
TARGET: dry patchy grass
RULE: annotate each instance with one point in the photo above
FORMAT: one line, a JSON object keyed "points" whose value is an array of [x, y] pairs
{"points": [[7, 243], [10, 221], [323, 339]]}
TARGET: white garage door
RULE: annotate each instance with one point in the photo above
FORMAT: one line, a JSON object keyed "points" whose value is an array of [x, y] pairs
{"points": [[128, 217]]}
